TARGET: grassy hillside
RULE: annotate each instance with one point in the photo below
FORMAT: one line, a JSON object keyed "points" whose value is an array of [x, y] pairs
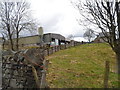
{"points": [[81, 67]]}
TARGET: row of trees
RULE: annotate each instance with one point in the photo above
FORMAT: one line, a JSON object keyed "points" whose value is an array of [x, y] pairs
{"points": [[14, 19]]}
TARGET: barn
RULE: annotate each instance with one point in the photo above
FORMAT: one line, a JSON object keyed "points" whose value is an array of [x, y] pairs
{"points": [[53, 39]]}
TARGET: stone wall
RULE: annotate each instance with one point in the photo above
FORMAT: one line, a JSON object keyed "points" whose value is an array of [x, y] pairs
{"points": [[17, 68]]}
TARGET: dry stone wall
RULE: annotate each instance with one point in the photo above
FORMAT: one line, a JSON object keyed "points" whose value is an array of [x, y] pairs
{"points": [[17, 68]]}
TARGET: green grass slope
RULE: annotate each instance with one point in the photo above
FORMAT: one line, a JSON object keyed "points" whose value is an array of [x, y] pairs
{"points": [[81, 67]]}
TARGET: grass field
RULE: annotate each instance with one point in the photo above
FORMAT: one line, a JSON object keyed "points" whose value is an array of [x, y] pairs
{"points": [[81, 67]]}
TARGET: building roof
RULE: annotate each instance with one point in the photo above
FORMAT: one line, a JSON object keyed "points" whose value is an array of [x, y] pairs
{"points": [[29, 36], [103, 35], [52, 34], [56, 36]]}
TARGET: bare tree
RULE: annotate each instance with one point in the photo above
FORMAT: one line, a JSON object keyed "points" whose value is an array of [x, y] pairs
{"points": [[15, 18], [106, 15], [89, 34], [6, 19]]}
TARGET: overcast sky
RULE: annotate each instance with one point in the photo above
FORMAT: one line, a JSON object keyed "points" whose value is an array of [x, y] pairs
{"points": [[57, 16]]}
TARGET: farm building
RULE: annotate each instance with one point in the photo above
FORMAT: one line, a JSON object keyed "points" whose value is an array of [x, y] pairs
{"points": [[53, 39], [25, 41], [29, 40], [101, 38], [50, 39]]}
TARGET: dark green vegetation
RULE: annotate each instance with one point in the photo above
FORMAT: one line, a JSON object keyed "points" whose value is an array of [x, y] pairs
{"points": [[81, 67]]}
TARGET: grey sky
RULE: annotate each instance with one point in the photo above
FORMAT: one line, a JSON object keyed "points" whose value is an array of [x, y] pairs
{"points": [[57, 16]]}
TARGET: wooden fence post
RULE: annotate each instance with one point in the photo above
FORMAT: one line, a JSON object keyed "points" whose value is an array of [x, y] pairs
{"points": [[106, 77], [51, 50], [65, 46], [58, 47], [55, 48], [43, 83], [48, 51], [36, 77]]}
